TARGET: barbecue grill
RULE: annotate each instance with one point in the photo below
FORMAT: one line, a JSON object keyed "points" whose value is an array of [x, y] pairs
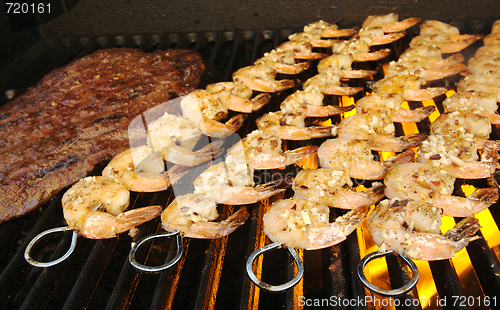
{"points": [[211, 273]]}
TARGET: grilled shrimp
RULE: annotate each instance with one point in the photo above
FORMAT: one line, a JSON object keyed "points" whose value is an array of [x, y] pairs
{"points": [[176, 136], [283, 61], [445, 36], [238, 97], [206, 110], [473, 102], [389, 22], [328, 30], [484, 82], [355, 158], [409, 85], [142, 170], [94, 207], [378, 128], [261, 78], [291, 126], [193, 216], [359, 49], [263, 150], [457, 122], [310, 103], [435, 185], [394, 103], [458, 154], [343, 65], [333, 187], [301, 50], [413, 228], [328, 83], [427, 62], [303, 224]]}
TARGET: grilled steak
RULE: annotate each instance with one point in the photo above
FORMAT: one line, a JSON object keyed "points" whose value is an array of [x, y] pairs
{"points": [[77, 116]]}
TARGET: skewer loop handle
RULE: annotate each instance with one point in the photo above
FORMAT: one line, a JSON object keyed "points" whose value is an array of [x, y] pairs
{"points": [[384, 292], [274, 288], [167, 265], [33, 262]]}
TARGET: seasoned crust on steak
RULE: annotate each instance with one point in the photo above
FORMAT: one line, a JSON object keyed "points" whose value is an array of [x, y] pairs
{"points": [[77, 116]]}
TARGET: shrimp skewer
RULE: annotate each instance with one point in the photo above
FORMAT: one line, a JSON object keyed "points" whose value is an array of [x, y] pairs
{"points": [[413, 228], [94, 207], [304, 224], [435, 185]]}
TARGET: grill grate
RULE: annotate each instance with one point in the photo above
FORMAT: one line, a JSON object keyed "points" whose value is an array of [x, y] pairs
{"points": [[211, 273]]}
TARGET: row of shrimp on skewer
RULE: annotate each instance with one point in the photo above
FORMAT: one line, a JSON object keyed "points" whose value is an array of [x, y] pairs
{"points": [[419, 192]]}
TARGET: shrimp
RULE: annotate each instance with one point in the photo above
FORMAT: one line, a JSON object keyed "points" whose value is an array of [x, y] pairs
{"points": [[457, 122], [231, 183], [434, 184], [474, 102], [291, 126], [261, 78], [328, 83], [328, 30], [359, 49], [445, 36], [413, 228], [238, 97], [427, 62], [301, 50], [389, 22], [377, 36], [312, 37], [484, 82], [283, 61], [343, 65], [310, 102], [488, 50], [263, 150], [206, 111], [458, 155], [356, 159], [378, 128], [393, 102], [409, 85], [175, 137], [123, 168], [193, 215], [304, 224], [484, 64], [94, 208], [333, 187]]}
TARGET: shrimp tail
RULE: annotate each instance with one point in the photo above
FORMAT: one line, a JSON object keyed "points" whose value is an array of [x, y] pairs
{"points": [[259, 101], [485, 195], [464, 230], [407, 156], [221, 130], [213, 230], [372, 56], [352, 219], [293, 156], [402, 25], [135, 217], [375, 193]]}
